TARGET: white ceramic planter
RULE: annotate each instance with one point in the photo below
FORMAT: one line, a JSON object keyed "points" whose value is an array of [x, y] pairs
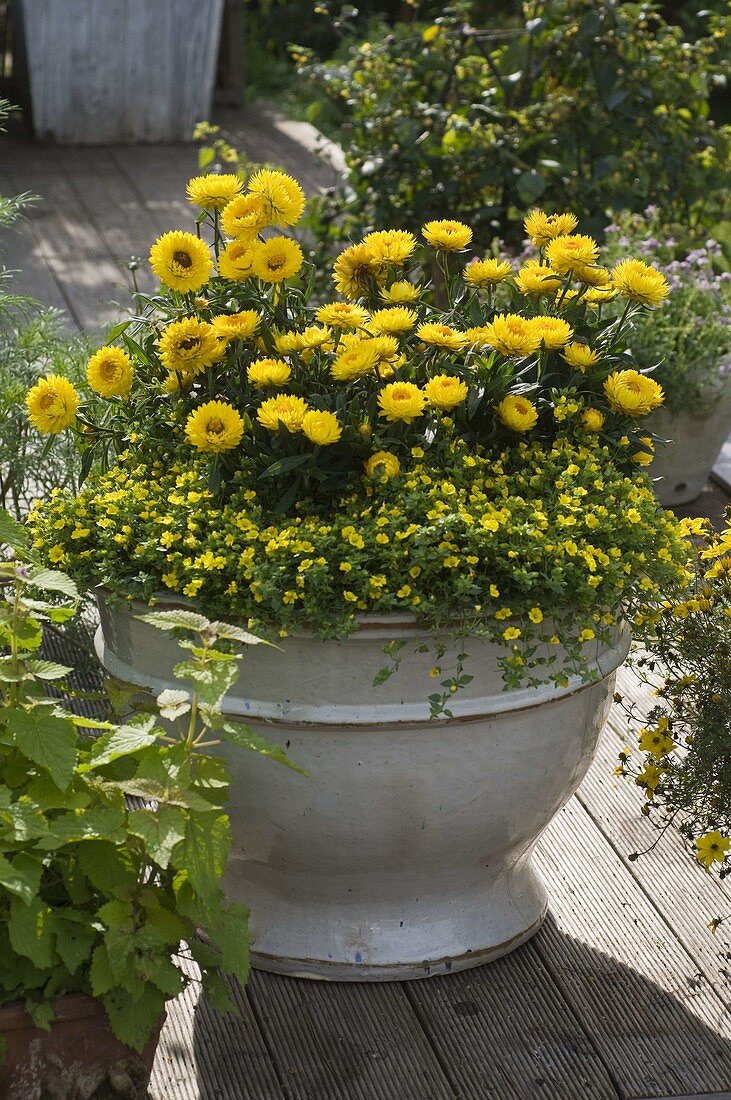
{"points": [[408, 852], [696, 440]]}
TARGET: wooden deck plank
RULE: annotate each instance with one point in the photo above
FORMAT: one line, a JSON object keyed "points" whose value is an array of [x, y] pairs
{"points": [[657, 1021], [341, 1041]]}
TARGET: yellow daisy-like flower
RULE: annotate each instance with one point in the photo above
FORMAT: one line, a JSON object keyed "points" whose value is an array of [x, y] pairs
{"points": [[282, 196], [283, 409], [478, 337], [542, 228], [236, 326], [512, 335], [447, 236], [181, 261], [441, 336], [444, 391], [592, 420], [244, 218], [593, 276], [401, 292], [321, 427], [287, 343], [342, 315], [712, 848], [553, 331], [391, 246], [401, 401], [188, 346], [569, 254], [214, 191], [645, 456], [356, 271], [537, 280], [600, 294], [517, 413], [52, 404], [482, 273], [214, 427], [639, 282], [359, 358], [236, 261], [393, 322], [580, 356], [383, 464], [277, 259], [268, 372], [632, 393], [110, 372]]}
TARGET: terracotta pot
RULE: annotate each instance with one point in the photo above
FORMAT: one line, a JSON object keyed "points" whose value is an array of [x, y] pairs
{"points": [[78, 1059]]}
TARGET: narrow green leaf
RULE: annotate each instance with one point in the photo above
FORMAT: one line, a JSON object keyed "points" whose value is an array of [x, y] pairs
{"points": [[239, 734]]}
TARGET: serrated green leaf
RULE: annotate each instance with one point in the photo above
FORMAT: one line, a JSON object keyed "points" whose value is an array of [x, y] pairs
{"points": [[31, 930], [51, 580], [21, 876], [106, 867], [236, 733], [48, 670], [173, 703], [45, 739], [96, 823], [100, 972], [13, 534], [204, 851], [177, 619], [217, 993], [74, 941], [41, 1014], [211, 682], [122, 741], [232, 936], [133, 1020], [161, 830], [236, 634]]}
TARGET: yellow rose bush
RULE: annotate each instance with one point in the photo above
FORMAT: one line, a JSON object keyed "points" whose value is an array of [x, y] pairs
{"points": [[463, 452]]}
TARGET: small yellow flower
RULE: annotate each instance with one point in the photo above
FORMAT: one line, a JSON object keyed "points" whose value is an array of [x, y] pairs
{"points": [[236, 261], [214, 427], [712, 848], [542, 228], [244, 217], [639, 282], [383, 464], [592, 420], [535, 615], [391, 246], [517, 413], [283, 409], [214, 191], [268, 372], [594, 276], [572, 253], [512, 335], [441, 336], [356, 271], [52, 404], [537, 280], [321, 427], [393, 322], [236, 326], [444, 391], [645, 456], [358, 359], [401, 401], [110, 372], [401, 292], [632, 393], [580, 356], [276, 259], [181, 261], [282, 196], [510, 633], [483, 273], [188, 346], [342, 315], [553, 331], [447, 236]]}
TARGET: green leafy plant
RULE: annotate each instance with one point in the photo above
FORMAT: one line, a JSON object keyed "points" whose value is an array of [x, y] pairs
{"points": [[99, 895]]}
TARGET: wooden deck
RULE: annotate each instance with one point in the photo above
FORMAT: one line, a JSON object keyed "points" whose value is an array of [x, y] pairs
{"points": [[623, 994]]}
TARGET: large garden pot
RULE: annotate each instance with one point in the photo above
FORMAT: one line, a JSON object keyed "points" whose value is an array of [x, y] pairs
{"points": [[78, 1057], [409, 850], [696, 439]]}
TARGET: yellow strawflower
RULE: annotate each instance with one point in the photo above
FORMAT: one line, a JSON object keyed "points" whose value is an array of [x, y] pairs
{"points": [[276, 259], [359, 358], [391, 246], [712, 848], [322, 428], [52, 404], [394, 322], [441, 336], [401, 401], [572, 253], [517, 413], [236, 261], [594, 276], [645, 456], [244, 218], [598, 295], [282, 409], [188, 346], [342, 315], [282, 196], [639, 282], [287, 343], [553, 331], [482, 273], [268, 372], [444, 391], [401, 292], [110, 372], [356, 271], [214, 427], [478, 337], [632, 393], [447, 236], [542, 228], [593, 420], [236, 326], [512, 335], [214, 191], [580, 356], [383, 464], [536, 279], [181, 261], [314, 337]]}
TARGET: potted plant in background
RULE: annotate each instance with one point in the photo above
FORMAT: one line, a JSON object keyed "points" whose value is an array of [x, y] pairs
{"points": [[457, 487], [688, 343], [97, 894]]}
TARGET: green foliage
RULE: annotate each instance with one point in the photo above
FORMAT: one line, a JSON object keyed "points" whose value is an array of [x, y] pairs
{"points": [[586, 106], [96, 896]]}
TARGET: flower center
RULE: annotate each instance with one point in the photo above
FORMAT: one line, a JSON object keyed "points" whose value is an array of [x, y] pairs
{"points": [[108, 370], [182, 259], [215, 426], [189, 343], [48, 401]]}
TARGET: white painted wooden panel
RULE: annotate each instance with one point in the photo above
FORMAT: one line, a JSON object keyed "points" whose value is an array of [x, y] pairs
{"points": [[120, 70]]}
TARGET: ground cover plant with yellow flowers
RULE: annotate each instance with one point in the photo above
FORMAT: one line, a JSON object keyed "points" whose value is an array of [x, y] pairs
{"points": [[298, 464]]}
